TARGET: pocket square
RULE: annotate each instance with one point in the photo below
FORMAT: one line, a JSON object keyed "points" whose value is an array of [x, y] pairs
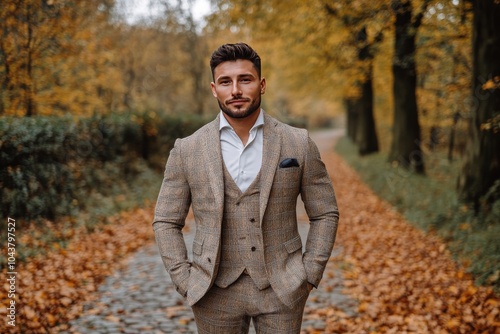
{"points": [[289, 162]]}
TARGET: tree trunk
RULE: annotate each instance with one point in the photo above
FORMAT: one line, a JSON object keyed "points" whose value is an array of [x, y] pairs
{"points": [[406, 138], [197, 71], [481, 168], [366, 134], [195, 48], [352, 117]]}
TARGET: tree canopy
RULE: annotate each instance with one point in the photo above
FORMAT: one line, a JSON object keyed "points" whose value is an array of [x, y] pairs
{"points": [[405, 73]]}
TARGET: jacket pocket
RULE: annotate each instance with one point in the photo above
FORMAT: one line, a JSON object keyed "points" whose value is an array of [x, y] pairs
{"points": [[293, 245], [197, 247], [294, 265]]}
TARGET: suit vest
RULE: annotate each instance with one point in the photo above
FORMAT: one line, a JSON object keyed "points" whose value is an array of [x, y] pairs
{"points": [[242, 251]]}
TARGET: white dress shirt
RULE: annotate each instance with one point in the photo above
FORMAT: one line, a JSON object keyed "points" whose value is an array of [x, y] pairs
{"points": [[243, 162]]}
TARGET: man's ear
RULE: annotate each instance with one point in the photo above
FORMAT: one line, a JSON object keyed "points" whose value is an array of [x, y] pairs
{"points": [[212, 86], [262, 85]]}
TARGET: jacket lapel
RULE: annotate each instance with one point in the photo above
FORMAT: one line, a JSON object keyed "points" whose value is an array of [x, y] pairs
{"points": [[212, 158], [270, 159]]}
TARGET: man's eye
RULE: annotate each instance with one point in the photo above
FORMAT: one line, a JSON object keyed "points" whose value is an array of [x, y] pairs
{"points": [[225, 83]]}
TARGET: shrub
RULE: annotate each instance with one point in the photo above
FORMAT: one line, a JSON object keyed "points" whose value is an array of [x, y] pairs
{"points": [[51, 165]]}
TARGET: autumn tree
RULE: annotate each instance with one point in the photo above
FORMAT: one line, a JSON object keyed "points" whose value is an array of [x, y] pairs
{"points": [[326, 44], [193, 45], [480, 175], [55, 57], [444, 66], [365, 135], [406, 141], [84, 57], [359, 20], [20, 48], [163, 61], [7, 85]]}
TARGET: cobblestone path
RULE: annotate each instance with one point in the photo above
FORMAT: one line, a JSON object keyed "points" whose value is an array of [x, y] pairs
{"points": [[141, 299]]}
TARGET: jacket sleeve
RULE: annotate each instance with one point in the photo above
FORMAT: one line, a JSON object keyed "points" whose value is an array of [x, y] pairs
{"points": [[171, 210], [321, 206]]}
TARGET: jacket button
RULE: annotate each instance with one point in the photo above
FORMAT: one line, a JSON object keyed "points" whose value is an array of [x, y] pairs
{"points": [[253, 249], [209, 260]]}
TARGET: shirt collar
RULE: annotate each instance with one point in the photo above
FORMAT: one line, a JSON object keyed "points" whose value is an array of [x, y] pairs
{"points": [[223, 123]]}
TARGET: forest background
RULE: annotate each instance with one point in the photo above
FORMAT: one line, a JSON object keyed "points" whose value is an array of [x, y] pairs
{"points": [[90, 104]]}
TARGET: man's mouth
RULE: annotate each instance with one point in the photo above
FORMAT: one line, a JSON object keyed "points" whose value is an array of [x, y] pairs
{"points": [[237, 101]]}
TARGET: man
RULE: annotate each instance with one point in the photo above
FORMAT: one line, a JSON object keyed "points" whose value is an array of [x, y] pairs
{"points": [[242, 174]]}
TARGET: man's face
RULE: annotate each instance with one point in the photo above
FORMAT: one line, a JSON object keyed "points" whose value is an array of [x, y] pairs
{"points": [[238, 88]]}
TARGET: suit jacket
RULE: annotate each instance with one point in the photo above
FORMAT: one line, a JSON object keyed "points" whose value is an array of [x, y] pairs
{"points": [[194, 176]]}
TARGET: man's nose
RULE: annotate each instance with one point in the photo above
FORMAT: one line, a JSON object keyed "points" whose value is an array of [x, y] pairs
{"points": [[236, 91]]}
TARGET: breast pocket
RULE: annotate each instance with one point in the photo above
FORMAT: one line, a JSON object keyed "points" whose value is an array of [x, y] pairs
{"points": [[287, 182]]}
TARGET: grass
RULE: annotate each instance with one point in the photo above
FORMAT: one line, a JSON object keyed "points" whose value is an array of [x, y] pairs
{"points": [[431, 203]]}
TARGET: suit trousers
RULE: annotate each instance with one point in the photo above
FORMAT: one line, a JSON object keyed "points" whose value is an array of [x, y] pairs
{"points": [[230, 310]]}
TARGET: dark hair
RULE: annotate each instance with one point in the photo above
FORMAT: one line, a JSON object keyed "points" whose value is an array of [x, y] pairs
{"points": [[228, 52]]}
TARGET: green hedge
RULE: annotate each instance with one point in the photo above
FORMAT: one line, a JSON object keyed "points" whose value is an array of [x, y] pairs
{"points": [[50, 165]]}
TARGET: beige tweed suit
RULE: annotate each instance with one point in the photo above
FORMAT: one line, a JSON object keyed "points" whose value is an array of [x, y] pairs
{"points": [[194, 177]]}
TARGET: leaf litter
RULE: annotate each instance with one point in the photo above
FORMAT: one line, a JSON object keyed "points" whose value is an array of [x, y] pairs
{"points": [[404, 280]]}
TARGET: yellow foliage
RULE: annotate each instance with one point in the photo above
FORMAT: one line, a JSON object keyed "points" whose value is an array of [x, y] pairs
{"points": [[313, 48], [54, 61], [493, 83], [73, 57], [78, 61]]}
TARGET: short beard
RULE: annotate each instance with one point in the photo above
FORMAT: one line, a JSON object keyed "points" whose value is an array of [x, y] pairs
{"points": [[241, 114]]}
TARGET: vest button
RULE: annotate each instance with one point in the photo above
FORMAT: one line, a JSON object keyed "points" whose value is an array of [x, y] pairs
{"points": [[253, 249], [209, 260], [252, 220]]}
